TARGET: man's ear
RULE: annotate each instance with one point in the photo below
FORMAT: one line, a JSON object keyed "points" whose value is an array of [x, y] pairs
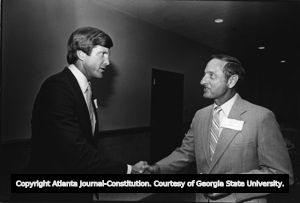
{"points": [[81, 55], [232, 81]]}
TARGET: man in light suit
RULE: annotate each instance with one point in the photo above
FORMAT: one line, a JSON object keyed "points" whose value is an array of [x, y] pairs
{"points": [[64, 118], [240, 137]]}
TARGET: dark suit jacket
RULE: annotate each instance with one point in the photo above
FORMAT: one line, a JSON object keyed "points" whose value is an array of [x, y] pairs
{"points": [[62, 140], [258, 148]]}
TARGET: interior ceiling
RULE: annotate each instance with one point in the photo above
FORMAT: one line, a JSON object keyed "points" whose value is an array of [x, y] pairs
{"points": [[247, 24]]}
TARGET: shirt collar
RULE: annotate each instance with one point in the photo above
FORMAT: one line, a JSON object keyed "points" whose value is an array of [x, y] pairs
{"points": [[80, 77], [226, 107]]}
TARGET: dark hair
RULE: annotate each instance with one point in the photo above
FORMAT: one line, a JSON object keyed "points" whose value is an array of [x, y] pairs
{"points": [[232, 67], [85, 39]]}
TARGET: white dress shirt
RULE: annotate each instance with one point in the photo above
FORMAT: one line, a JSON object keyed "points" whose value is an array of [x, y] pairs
{"points": [[81, 79], [226, 108]]}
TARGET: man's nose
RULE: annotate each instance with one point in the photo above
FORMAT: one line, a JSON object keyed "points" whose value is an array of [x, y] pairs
{"points": [[106, 61], [203, 81]]}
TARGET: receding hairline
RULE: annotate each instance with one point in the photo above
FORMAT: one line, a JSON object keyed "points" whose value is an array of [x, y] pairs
{"points": [[221, 62]]}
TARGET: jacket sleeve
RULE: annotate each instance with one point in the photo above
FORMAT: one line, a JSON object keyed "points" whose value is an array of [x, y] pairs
{"points": [[273, 155], [181, 156]]}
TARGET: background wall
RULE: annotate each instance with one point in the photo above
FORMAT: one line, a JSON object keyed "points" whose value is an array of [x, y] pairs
{"points": [[34, 37], [35, 34]]}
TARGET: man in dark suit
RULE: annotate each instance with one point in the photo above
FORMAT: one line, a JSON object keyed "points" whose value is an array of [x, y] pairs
{"points": [[64, 120], [231, 136]]}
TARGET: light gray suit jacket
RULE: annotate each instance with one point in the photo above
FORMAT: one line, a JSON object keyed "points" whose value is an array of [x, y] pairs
{"points": [[258, 148]]}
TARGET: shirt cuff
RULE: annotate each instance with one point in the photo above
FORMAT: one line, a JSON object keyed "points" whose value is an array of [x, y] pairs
{"points": [[129, 169]]}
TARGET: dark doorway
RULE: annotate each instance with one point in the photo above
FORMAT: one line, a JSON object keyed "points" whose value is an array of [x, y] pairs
{"points": [[166, 112]]}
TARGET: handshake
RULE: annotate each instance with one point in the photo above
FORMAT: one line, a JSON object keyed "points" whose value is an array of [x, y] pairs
{"points": [[142, 167]]}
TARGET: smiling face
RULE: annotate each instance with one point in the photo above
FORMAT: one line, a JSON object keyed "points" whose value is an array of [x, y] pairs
{"points": [[93, 65], [215, 84]]}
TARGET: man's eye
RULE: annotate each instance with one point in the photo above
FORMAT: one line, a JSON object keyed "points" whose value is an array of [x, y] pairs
{"points": [[103, 54]]}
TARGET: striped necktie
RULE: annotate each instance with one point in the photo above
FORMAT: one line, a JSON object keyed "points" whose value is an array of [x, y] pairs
{"points": [[90, 106], [215, 130]]}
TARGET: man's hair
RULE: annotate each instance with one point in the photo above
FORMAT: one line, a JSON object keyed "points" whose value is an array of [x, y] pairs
{"points": [[85, 39], [232, 67]]}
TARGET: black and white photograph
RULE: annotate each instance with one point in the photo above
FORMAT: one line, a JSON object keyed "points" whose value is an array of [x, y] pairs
{"points": [[155, 89]]}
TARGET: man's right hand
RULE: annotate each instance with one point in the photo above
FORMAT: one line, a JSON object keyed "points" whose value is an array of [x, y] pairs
{"points": [[139, 167], [153, 169]]}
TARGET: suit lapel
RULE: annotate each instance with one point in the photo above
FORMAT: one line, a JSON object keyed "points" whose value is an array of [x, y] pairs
{"points": [[204, 128], [227, 135], [83, 109]]}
